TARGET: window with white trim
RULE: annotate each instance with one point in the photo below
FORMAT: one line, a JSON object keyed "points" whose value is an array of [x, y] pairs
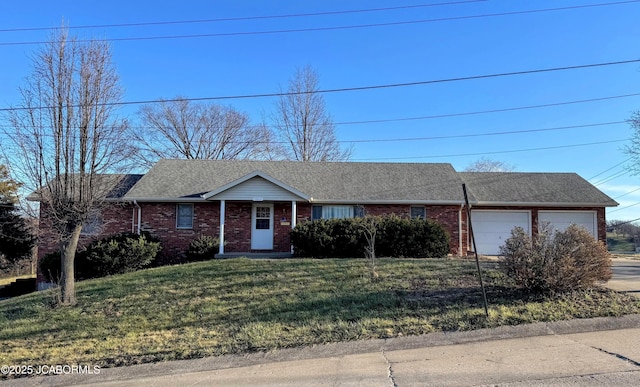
{"points": [[184, 216], [336, 212]]}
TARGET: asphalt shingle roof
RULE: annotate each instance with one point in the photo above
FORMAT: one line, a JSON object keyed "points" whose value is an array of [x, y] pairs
{"points": [[354, 182], [348, 181], [530, 188]]}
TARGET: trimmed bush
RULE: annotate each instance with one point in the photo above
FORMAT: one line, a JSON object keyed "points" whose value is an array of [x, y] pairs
{"points": [[116, 254], [395, 237], [555, 262], [203, 248]]}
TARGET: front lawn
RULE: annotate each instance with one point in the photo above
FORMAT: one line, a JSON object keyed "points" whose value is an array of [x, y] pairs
{"points": [[239, 305]]}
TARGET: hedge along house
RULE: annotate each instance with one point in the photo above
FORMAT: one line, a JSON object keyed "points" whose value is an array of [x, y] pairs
{"points": [[251, 206]]}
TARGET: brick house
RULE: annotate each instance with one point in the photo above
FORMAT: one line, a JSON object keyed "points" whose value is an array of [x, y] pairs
{"points": [[252, 205]]}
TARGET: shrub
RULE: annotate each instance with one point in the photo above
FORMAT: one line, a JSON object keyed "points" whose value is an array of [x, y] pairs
{"points": [[417, 238], [50, 266], [395, 237], [116, 254], [203, 248], [554, 262]]}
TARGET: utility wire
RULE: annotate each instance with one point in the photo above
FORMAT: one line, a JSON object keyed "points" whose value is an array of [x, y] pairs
{"points": [[227, 19], [358, 26], [485, 111], [607, 170], [628, 193], [611, 177], [495, 152], [404, 139], [360, 88]]}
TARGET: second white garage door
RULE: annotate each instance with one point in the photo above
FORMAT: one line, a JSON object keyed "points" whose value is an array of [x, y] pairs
{"points": [[560, 220], [492, 228]]}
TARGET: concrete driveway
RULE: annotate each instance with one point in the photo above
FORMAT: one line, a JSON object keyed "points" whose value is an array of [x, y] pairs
{"points": [[626, 276]]}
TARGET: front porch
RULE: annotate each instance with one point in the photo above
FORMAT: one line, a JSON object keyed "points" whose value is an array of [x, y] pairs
{"points": [[267, 255]]}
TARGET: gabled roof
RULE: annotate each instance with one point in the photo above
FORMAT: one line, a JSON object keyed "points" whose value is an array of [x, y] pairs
{"points": [[323, 182], [549, 189], [250, 176], [114, 185]]}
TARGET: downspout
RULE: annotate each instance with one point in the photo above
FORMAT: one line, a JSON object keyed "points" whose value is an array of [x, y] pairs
{"points": [[139, 217], [460, 251]]}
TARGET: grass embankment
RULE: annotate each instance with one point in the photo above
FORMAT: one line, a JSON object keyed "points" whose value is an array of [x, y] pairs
{"points": [[619, 243], [239, 305]]}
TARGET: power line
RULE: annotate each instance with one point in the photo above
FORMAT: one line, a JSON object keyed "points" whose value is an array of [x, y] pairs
{"points": [[482, 134], [607, 170], [405, 139], [360, 88], [359, 26], [611, 177], [625, 207], [227, 19], [495, 152], [400, 119], [628, 193], [485, 111]]}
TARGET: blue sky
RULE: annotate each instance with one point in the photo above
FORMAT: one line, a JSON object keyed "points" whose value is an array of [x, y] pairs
{"points": [[467, 44]]}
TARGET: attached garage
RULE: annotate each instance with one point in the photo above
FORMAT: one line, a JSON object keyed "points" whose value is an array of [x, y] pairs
{"points": [[560, 220], [492, 227]]}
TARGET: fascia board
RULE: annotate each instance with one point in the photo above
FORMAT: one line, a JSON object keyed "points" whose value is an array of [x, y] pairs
{"points": [[403, 201], [541, 204]]}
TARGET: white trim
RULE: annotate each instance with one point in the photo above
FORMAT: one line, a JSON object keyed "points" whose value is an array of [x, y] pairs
{"points": [[403, 201], [221, 238], [541, 204], [254, 231], [472, 211], [594, 213], [211, 194], [193, 212], [294, 216]]}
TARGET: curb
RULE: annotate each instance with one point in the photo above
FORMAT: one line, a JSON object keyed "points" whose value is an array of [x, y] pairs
{"points": [[333, 350]]}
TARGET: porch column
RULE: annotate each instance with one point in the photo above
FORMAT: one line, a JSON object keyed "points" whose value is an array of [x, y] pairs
{"points": [[294, 216], [221, 248]]}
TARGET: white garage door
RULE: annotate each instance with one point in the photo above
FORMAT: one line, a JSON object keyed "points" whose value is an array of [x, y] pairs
{"points": [[492, 228], [560, 220]]}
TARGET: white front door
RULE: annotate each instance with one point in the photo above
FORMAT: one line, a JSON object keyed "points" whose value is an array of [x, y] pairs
{"points": [[262, 226]]}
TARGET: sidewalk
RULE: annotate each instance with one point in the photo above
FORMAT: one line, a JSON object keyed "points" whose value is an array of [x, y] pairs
{"points": [[600, 351]]}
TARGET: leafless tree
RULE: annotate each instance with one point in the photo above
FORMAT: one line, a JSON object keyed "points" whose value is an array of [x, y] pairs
{"points": [[633, 149], [68, 136], [180, 128], [489, 165], [303, 123]]}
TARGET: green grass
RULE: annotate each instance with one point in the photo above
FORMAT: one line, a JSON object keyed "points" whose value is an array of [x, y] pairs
{"points": [[619, 243], [241, 305]]}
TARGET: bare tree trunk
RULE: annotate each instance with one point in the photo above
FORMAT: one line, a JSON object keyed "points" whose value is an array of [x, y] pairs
{"points": [[67, 279]]}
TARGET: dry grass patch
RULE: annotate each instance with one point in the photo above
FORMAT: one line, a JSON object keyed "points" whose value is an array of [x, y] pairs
{"points": [[239, 305]]}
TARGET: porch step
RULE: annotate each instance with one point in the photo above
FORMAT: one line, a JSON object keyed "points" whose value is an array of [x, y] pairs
{"points": [[254, 255], [18, 288]]}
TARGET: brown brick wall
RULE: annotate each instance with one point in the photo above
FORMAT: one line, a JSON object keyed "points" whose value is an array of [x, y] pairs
{"points": [[117, 218]]}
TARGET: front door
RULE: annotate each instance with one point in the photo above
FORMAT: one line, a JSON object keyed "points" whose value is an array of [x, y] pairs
{"points": [[262, 226]]}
